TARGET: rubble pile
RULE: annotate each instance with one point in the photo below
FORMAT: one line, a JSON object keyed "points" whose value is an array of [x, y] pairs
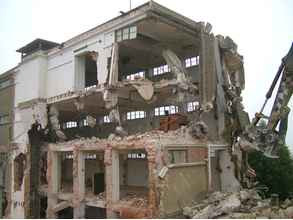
{"points": [[137, 201], [102, 196], [237, 205], [153, 134]]}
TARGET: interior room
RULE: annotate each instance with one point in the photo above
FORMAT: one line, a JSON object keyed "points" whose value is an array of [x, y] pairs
{"points": [[133, 171], [94, 174], [66, 175]]}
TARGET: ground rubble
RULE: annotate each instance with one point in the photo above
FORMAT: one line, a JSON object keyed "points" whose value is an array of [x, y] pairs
{"points": [[238, 205]]}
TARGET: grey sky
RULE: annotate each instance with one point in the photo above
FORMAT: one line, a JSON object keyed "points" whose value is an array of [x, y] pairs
{"points": [[262, 29]]}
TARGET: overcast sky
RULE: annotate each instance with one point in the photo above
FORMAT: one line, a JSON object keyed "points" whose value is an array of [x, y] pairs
{"points": [[262, 29]]}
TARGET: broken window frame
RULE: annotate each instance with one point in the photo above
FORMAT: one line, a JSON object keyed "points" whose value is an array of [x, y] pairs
{"points": [[135, 115], [191, 61], [172, 109], [192, 106]]}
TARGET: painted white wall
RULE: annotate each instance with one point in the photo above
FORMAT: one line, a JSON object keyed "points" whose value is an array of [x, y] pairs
{"points": [[60, 77], [30, 79], [65, 69]]}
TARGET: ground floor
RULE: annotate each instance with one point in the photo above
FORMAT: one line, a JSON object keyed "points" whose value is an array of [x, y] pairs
{"points": [[148, 175]]}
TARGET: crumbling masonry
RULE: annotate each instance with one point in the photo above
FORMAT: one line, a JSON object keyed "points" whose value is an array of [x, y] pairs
{"points": [[133, 118]]}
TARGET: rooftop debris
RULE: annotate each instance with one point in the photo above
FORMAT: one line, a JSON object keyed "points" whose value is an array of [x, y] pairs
{"points": [[246, 203]]}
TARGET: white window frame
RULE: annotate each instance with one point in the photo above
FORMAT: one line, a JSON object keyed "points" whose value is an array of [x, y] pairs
{"points": [[85, 123], [172, 109], [106, 119], [192, 61], [192, 106], [140, 156], [135, 115], [160, 70], [140, 74], [70, 124]]}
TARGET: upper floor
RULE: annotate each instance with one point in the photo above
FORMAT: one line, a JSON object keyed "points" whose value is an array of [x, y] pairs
{"points": [[147, 61], [49, 69]]}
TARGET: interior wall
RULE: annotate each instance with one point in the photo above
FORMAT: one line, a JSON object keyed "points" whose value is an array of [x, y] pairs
{"points": [[92, 167], [90, 71], [215, 172], [139, 125], [137, 172], [133, 172], [197, 154], [67, 174], [82, 132]]}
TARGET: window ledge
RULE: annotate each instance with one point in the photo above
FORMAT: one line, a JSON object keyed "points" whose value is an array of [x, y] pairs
{"points": [[202, 163]]}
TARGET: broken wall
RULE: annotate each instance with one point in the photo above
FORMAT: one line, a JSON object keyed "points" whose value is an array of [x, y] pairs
{"points": [[29, 106], [181, 186]]}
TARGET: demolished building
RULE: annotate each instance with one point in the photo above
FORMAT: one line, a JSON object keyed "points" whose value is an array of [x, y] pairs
{"points": [[133, 118]]}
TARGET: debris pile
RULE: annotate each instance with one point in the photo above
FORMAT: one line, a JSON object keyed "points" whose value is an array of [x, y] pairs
{"points": [[101, 196], [137, 201], [244, 204]]}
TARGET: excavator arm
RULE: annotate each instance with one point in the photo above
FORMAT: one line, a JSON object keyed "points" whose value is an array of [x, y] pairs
{"points": [[266, 138]]}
